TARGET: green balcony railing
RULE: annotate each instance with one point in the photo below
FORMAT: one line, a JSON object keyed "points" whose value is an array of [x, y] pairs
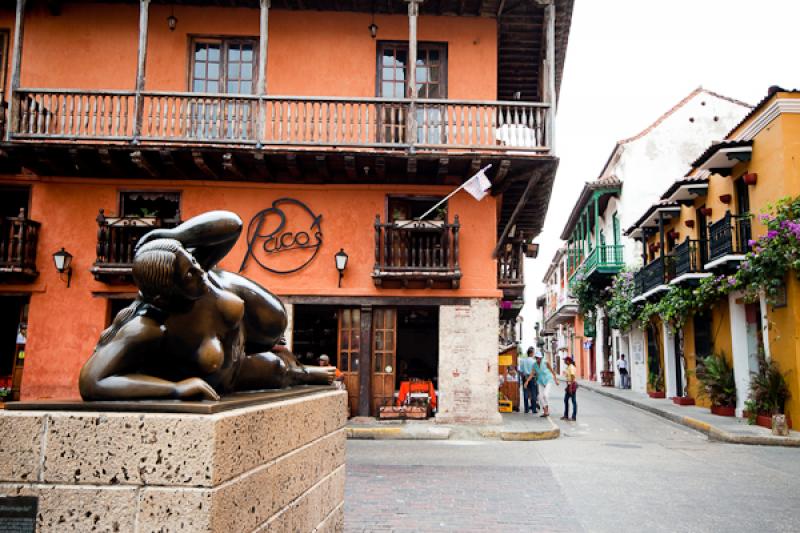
{"points": [[605, 259]]}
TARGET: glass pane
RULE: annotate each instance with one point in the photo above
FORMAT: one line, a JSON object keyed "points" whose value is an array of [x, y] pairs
{"points": [[401, 58], [246, 87], [247, 53], [388, 73], [200, 52], [233, 87], [389, 342], [388, 58], [354, 362], [379, 341], [378, 362], [212, 87], [433, 91], [197, 86], [200, 70], [233, 71], [355, 342], [343, 361], [356, 318], [345, 318], [345, 341], [434, 74], [387, 89], [247, 71], [213, 71], [422, 74], [433, 56], [213, 52], [233, 53]]}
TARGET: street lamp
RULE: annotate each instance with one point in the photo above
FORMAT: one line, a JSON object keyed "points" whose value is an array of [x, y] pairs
{"points": [[63, 261], [341, 263]]}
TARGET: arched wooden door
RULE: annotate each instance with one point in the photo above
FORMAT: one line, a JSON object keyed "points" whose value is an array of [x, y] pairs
{"points": [[349, 350], [384, 352]]}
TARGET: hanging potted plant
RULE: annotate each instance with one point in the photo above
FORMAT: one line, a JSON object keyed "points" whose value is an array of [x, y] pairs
{"points": [[717, 384]]}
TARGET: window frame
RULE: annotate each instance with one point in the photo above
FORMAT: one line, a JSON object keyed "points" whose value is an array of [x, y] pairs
{"points": [[403, 45], [224, 41], [121, 193]]}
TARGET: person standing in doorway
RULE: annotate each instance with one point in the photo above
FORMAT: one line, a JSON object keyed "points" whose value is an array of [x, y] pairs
{"points": [[544, 377], [529, 389], [571, 390], [622, 366]]}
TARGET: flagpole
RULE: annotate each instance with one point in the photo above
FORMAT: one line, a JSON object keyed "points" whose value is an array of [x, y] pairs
{"points": [[429, 211]]}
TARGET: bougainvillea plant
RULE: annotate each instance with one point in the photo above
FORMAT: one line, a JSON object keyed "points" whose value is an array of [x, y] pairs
{"points": [[622, 312]]}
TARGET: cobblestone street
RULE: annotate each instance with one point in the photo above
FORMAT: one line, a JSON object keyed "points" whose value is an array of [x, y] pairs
{"points": [[617, 469]]}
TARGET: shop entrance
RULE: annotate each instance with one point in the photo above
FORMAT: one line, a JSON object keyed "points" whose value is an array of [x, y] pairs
{"points": [[13, 338]]}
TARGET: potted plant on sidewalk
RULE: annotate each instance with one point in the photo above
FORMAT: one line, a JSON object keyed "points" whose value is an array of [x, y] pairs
{"points": [[656, 382], [717, 384], [768, 394]]}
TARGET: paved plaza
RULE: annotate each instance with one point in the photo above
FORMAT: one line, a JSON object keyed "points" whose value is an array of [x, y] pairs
{"points": [[617, 469]]}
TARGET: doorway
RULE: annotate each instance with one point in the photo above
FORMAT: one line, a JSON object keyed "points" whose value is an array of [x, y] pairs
{"points": [[13, 339], [679, 360]]}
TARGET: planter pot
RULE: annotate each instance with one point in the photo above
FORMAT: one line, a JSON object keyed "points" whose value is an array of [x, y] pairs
{"points": [[765, 421], [683, 400], [706, 211], [723, 410], [750, 178], [689, 223], [657, 394], [725, 198]]}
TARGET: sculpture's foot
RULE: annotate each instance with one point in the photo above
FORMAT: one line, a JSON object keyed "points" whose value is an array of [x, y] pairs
{"points": [[318, 375]]}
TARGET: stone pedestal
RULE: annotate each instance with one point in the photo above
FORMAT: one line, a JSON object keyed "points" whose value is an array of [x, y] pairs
{"points": [[272, 467]]}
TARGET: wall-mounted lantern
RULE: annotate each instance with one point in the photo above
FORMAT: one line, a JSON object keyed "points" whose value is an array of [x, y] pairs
{"points": [[63, 261], [172, 21], [341, 263]]}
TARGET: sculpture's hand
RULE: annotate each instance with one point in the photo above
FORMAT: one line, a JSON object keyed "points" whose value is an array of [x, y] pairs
{"points": [[193, 387], [161, 233]]}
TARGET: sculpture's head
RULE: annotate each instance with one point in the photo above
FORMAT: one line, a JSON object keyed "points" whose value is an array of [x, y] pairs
{"points": [[163, 268]]}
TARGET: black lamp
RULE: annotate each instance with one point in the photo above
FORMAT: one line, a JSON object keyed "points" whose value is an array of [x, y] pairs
{"points": [[341, 263], [172, 21], [63, 261]]}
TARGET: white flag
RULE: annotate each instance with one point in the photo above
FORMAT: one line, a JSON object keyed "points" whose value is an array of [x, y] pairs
{"points": [[478, 185]]}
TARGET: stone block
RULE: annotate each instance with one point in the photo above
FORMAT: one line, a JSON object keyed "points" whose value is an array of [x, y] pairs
{"points": [[280, 463]]}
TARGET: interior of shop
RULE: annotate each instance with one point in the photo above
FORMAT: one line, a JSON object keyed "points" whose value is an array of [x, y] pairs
{"points": [[315, 333], [12, 199], [417, 345], [13, 338]]}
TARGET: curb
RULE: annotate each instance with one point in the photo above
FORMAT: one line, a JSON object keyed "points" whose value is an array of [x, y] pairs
{"points": [[396, 433], [713, 432], [505, 434]]}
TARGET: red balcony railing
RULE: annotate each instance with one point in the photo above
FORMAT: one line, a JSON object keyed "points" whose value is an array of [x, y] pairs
{"points": [[18, 239]]}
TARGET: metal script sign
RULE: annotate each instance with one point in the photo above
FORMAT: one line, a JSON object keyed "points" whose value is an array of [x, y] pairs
{"points": [[283, 238], [18, 514]]}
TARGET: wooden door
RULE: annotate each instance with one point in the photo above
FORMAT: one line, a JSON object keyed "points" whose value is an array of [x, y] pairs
{"points": [[348, 353], [384, 352]]}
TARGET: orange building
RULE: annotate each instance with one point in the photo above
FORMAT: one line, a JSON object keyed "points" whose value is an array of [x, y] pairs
{"points": [[120, 117]]}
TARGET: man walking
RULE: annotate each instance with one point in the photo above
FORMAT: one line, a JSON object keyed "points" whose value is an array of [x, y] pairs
{"points": [[529, 388], [622, 366]]}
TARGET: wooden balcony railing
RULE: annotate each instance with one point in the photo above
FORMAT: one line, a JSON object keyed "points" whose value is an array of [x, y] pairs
{"points": [[116, 244], [729, 236], [417, 251], [219, 119], [689, 256], [18, 239], [510, 268]]}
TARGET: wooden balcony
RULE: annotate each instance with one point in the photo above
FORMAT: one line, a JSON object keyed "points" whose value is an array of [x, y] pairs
{"points": [[19, 237], [279, 121], [510, 270], [424, 253], [689, 259], [116, 244], [728, 239]]}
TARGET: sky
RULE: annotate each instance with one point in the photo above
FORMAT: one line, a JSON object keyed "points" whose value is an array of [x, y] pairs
{"points": [[629, 61]]}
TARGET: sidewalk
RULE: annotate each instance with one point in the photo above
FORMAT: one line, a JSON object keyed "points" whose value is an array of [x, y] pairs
{"points": [[515, 426], [720, 428]]}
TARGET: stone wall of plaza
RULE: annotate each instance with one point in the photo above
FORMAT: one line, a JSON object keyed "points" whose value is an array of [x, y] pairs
{"points": [[270, 467], [468, 362], [64, 323]]}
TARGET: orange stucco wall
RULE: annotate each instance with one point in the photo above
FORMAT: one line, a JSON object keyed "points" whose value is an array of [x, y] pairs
{"points": [[310, 53], [64, 323]]}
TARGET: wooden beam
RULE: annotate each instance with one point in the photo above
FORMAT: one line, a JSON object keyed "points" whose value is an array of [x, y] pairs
{"points": [[16, 65], [107, 160], [168, 160], [350, 166], [411, 168], [230, 166], [322, 166], [202, 166], [54, 6], [138, 159], [291, 164], [380, 168], [442, 169], [141, 63], [262, 166], [502, 171], [522, 201]]}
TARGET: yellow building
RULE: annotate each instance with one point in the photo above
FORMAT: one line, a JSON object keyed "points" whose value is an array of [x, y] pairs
{"points": [[703, 227]]}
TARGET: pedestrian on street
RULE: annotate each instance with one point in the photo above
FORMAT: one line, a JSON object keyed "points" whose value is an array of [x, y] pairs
{"points": [[570, 390], [622, 365], [544, 376], [529, 388]]}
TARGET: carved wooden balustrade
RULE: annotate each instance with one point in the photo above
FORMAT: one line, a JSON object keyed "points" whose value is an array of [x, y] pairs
{"points": [[116, 244], [412, 251], [19, 237], [229, 119], [510, 269]]}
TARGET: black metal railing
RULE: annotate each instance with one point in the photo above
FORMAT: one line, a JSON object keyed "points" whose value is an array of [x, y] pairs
{"points": [[654, 273], [689, 257], [116, 241], [729, 236], [18, 239], [416, 251]]}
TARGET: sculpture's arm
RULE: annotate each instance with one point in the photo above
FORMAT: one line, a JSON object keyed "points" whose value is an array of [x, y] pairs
{"points": [[209, 237], [110, 373]]}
